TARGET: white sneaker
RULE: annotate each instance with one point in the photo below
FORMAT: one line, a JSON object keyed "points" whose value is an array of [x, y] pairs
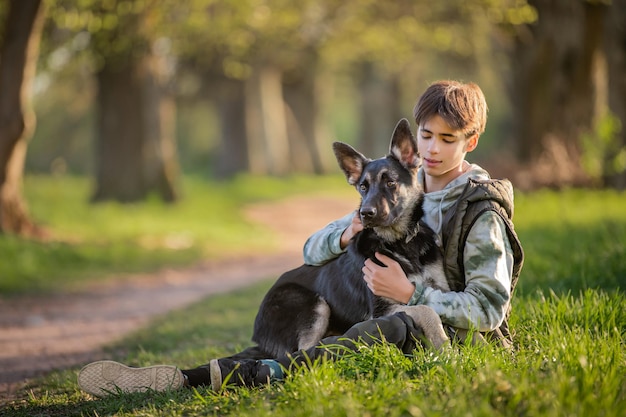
{"points": [[107, 377]]}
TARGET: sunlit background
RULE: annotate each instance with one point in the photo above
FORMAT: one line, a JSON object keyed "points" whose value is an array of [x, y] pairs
{"points": [[136, 93]]}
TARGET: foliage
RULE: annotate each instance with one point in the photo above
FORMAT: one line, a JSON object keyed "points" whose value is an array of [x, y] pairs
{"points": [[569, 357], [204, 40], [414, 40], [240, 34], [511, 13], [603, 154]]}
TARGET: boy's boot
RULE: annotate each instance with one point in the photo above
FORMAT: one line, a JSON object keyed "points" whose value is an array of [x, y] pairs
{"points": [[247, 372]]}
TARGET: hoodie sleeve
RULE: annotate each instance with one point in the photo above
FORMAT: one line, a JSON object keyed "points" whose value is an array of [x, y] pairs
{"points": [[488, 261], [324, 245]]}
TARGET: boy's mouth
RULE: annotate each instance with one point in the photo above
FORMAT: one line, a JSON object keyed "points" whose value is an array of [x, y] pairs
{"points": [[431, 162]]}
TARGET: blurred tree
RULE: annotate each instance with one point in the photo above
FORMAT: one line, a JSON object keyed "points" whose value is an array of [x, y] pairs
{"points": [[135, 150], [232, 153], [288, 55], [614, 158], [272, 66], [210, 34], [562, 95], [307, 90], [305, 83], [19, 50], [384, 43], [559, 77], [263, 62], [135, 144]]}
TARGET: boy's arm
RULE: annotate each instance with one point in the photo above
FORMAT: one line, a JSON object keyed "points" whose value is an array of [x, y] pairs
{"points": [[488, 261], [325, 244]]}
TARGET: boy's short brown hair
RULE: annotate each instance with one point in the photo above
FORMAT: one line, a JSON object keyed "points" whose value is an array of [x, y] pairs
{"points": [[461, 105]]}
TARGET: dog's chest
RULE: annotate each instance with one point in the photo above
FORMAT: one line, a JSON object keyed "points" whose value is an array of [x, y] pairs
{"points": [[407, 254]]}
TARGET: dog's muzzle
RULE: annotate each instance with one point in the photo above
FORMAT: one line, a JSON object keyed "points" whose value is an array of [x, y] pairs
{"points": [[371, 217]]}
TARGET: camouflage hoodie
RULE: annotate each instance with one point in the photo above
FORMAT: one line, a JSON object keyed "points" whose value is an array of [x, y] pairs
{"points": [[487, 255]]}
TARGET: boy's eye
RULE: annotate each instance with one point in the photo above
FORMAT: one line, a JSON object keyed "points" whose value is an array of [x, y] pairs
{"points": [[448, 140]]}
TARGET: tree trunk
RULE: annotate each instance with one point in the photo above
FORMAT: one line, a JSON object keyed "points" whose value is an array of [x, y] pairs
{"points": [[306, 92], [18, 58], [161, 169], [119, 137], [232, 155], [553, 90], [379, 109], [614, 160], [135, 144], [268, 147]]}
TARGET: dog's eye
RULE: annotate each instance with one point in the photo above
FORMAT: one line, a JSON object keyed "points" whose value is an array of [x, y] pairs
{"points": [[363, 187], [391, 184]]}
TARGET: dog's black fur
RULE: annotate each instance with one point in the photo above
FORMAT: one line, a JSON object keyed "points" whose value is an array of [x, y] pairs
{"points": [[311, 302]]}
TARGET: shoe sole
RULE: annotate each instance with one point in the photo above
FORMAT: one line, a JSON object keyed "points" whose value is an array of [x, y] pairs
{"points": [[216, 375], [107, 377]]}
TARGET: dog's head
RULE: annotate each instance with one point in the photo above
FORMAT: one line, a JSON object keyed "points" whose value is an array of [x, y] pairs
{"points": [[388, 186]]}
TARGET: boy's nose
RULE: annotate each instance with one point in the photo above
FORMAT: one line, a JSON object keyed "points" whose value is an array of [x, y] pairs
{"points": [[433, 147]]}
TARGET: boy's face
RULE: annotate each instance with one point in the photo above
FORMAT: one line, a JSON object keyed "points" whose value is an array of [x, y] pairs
{"points": [[443, 150]]}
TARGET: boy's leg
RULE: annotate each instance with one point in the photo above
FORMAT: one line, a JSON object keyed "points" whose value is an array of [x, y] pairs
{"points": [[406, 329], [244, 368], [243, 372], [397, 329], [253, 352], [104, 377]]}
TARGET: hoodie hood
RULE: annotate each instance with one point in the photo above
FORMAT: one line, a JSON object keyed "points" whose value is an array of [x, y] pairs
{"points": [[437, 203]]}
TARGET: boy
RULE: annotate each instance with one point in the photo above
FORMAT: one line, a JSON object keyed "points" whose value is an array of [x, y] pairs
{"points": [[483, 257]]}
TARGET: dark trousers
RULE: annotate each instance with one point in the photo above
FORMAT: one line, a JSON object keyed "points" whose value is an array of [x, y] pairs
{"points": [[397, 329]]}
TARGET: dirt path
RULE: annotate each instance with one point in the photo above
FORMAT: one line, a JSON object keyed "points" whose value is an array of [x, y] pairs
{"points": [[41, 334]]}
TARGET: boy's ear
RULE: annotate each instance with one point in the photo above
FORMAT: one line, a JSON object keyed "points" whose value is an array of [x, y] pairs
{"points": [[472, 143]]}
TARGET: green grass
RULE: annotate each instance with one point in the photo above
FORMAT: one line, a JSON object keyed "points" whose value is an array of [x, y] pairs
{"points": [[570, 357], [94, 241], [573, 240]]}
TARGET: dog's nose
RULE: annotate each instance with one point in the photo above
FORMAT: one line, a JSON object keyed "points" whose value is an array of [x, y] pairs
{"points": [[368, 212]]}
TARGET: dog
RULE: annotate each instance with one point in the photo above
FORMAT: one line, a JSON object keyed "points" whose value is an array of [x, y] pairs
{"points": [[311, 302]]}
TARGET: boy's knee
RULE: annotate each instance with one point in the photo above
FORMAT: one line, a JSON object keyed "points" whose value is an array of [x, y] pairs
{"points": [[428, 321], [389, 328]]}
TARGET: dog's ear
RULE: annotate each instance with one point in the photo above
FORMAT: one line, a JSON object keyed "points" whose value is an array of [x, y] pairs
{"points": [[403, 145], [350, 161]]}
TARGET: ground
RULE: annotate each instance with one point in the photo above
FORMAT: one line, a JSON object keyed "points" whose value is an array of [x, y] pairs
{"points": [[39, 334]]}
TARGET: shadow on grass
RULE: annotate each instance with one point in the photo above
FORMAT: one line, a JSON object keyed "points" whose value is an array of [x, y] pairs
{"points": [[214, 327], [112, 405]]}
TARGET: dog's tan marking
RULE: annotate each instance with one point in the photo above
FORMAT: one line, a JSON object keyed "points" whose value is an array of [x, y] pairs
{"points": [[308, 338]]}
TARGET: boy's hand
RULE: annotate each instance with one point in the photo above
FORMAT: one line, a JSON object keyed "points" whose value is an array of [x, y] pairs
{"points": [[387, 281], [355, 227]]}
